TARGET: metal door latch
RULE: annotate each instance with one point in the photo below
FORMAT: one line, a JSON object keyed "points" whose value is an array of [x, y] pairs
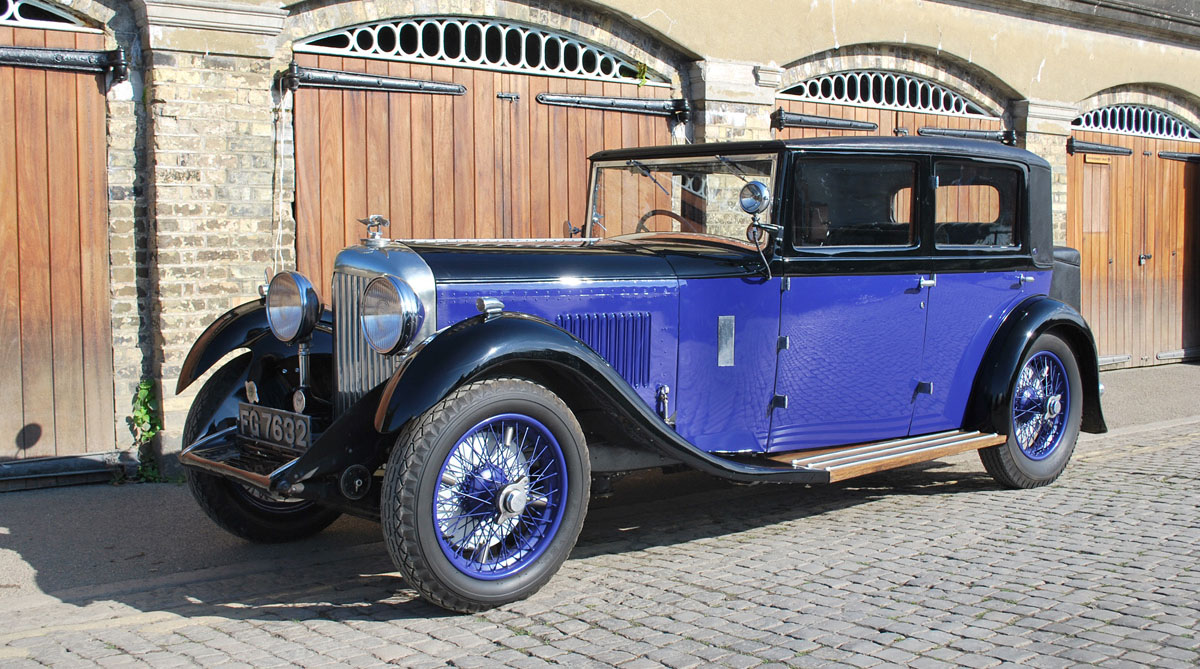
{"points": [[511, 97], [930, 282], [1143, 257]]}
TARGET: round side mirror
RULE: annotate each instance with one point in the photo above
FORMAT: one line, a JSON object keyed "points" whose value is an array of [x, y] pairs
{"points": [[755, 197]]}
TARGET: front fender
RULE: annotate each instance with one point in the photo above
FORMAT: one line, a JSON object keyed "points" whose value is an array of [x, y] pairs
{"points": [[245, 326], [991, 397], [481, 345]]}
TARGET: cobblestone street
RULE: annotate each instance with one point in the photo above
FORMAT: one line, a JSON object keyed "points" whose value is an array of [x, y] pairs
{"points": [[933, 565]]}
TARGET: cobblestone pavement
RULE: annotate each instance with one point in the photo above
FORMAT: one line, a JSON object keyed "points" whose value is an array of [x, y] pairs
{"points": [[929, 566]]}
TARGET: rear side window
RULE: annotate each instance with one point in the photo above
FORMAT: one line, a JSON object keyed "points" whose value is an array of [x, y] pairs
{"points": [[859, 203], [976, 206]]}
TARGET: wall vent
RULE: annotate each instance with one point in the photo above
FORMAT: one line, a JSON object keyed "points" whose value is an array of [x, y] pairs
{"points": [[621, 339]]}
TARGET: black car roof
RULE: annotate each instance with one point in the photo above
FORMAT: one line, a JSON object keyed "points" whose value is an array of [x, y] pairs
{"points": [[973, 148]]}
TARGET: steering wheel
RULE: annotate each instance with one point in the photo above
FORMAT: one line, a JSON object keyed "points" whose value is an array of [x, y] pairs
{"points": [[641, 224]]}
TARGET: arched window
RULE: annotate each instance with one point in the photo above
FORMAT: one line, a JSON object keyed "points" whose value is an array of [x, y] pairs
{"points": [[34, 14], [884, 90], [1137, 120], [491, 44]]}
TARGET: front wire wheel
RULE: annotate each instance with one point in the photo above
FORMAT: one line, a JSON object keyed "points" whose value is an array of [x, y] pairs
{"points": [[1045, 410], [485, 494]]}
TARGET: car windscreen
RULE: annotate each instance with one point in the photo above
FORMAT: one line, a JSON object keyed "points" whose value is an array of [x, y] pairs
{"points": [[681, 195]]}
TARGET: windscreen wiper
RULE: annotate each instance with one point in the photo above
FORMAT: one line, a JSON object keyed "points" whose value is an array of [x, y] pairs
{"points": [[646, 173]]}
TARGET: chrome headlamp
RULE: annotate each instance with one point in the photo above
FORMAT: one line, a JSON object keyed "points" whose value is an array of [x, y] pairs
{"points": [[390, 314], [292, 307]]}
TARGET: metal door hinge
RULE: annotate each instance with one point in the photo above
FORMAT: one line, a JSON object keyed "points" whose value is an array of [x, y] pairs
{"points": [[779, 402], [924, 388], [785, 283], [783, 344]]}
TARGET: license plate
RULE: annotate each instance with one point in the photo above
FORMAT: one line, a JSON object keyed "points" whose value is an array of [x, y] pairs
{"points": [[291, 431]]}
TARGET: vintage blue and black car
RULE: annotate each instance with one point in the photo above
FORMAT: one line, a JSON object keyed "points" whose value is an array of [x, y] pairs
{"points": [[802, 311]]}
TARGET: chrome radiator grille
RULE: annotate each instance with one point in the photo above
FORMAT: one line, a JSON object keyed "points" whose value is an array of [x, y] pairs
{"points": [[357, 367]]}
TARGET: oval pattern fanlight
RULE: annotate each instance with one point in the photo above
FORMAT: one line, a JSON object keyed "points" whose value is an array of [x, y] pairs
{"points": [[884, 90], [33, 14], [1137, 120], [482, 43]]}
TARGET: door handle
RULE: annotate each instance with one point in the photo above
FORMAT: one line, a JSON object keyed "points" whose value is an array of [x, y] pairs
{"points": [[1024, 278], [1143, 257], [930, 282]]}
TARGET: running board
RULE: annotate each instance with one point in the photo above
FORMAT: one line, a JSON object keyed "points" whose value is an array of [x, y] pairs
{"points": [[845, 462]]}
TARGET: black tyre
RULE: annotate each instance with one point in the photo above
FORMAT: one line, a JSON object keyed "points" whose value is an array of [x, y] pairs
{"points": [[485, 494], [1043, 417], [237, 508]]}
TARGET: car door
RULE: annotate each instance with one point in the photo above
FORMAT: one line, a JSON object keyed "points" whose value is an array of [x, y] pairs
{"points": [[978, 232], [853, 304]]}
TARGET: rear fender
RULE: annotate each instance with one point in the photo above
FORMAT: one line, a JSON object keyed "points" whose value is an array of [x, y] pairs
{"points": [[991, 394]]}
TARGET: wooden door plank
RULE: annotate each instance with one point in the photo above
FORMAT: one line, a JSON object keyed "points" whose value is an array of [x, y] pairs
{"points": [[33, 230], [11, 420], [629, 138], [306, 128], [483, 100], [421, 107], [66, 288], [99, 409], [558, 161], [502, 155], [400, 162], [379, 150], [611, 133], [332, 179], [577, 158], [519, 137], [443, 158], [354, 158], [539, 160], [464, 157]]}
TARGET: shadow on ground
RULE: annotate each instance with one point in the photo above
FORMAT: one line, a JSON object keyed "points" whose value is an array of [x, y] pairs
{"points": [[150, 548]]}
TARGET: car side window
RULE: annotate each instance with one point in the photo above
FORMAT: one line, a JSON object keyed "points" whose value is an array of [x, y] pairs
{"points": [[859, 203], [976, 205]]}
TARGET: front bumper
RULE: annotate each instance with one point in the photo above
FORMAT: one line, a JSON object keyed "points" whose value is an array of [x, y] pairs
{"points": [[225, 454]]}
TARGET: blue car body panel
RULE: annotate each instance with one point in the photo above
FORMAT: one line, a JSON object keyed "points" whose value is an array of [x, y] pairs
{"points": [[633, 325], [721, 405], [851, 364], [965, 309]]}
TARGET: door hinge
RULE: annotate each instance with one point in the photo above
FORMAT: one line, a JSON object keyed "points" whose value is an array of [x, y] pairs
{"points": [[782, 344], [779, 402], [924, 388], [785, 283]]}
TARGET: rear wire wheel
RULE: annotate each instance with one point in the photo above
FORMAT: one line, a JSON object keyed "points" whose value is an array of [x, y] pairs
{"points": [[485, 494], [1044, 415]]}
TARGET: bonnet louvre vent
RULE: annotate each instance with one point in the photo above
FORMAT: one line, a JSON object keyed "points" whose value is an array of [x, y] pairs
{"points": [[621, 339]]}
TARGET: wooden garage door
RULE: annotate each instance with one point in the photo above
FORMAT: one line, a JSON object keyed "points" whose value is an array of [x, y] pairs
{"points": [[1133, 217], [491, 163], [893, 103], [55, 337]]}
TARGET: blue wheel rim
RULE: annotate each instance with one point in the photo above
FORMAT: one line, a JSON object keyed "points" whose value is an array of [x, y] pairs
{"points": [[1041, 404], [500, 496]]}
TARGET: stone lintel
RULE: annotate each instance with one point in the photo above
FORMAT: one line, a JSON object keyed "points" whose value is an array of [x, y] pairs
{"points": [[235, 28], [1044, 116], [729, 81]]}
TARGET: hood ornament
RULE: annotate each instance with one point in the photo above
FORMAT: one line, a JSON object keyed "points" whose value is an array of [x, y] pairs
{"points": [[375, 224]]}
